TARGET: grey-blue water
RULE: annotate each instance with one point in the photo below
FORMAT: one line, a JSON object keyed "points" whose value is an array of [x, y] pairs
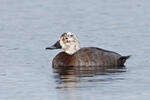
{"points": [[28, 26]]}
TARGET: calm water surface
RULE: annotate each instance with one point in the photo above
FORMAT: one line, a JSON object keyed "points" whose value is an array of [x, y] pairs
{"points": [[28, 26]]}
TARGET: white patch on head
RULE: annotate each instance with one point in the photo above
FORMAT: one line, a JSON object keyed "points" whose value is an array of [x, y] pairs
{"points": [[69, 43], [69, 33]]}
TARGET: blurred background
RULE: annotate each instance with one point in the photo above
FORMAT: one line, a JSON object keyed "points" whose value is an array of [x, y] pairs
{"points": [[28, 26]]}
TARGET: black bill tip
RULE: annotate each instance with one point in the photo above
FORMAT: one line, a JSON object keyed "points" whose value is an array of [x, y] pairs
{"points": [[55, 46]]}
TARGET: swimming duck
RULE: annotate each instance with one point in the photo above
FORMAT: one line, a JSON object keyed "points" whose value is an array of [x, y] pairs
{"points": [[73, 55]]}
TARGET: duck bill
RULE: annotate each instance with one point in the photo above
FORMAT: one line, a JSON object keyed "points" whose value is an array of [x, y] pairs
{"points": [[55, 46]]}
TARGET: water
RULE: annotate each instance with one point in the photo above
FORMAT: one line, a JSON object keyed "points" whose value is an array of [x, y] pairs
{"points": [[28, 26]]}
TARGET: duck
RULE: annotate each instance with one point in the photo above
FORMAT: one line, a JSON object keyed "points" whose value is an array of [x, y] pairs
{"points": [[74, 56]]}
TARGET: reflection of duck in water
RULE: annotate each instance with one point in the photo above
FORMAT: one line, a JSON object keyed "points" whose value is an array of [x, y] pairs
{"points": [[73, 55], [76, 71], [73, 77]]}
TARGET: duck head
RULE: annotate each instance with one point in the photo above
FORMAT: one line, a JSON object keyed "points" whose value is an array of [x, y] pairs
{"points": [[68, 42]]}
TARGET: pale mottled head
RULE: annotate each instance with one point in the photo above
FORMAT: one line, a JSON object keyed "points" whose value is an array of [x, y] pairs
{"points": [[68, 42]]}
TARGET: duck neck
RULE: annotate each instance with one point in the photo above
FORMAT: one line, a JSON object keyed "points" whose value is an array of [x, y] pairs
{"points": [[72, 49]]}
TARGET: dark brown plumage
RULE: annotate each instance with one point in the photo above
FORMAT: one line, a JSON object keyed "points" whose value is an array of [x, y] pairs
{"points": [[90, 56]]}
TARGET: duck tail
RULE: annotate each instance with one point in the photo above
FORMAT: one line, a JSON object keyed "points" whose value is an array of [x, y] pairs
{"points": [[122, 60]]}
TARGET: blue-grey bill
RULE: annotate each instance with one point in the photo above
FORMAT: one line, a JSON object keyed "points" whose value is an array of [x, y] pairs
{"points": [[55, 46]]}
